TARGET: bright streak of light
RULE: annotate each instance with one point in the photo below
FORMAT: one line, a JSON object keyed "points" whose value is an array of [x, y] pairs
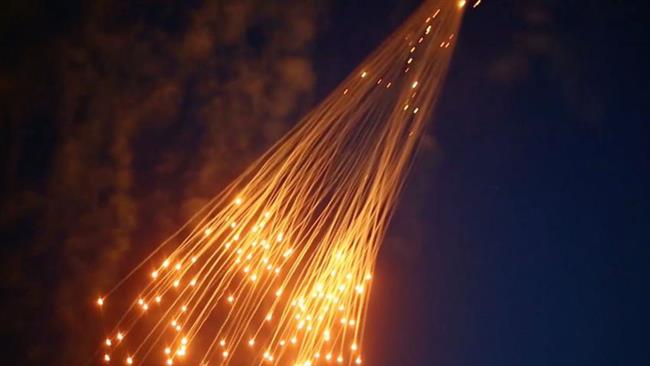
{"points": [[277, 268]]}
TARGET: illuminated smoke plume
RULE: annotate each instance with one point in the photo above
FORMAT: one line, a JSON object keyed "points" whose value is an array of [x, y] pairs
{"points": [[277, 268]]}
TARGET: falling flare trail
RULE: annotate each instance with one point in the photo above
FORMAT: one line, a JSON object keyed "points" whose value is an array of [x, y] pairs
{"points": [[277, 269]]}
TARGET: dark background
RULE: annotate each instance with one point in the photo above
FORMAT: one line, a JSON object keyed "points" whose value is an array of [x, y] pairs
{"points": [[521, 237]]}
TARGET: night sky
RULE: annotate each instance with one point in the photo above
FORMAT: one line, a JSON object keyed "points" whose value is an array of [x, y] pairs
{"points": [[522, 234]]}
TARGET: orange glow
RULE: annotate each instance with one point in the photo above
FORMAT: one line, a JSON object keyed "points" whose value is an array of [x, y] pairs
{"points": [[278, 267]]}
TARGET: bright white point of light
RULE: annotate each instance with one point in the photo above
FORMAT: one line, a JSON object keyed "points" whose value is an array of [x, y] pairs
{"points": [[193, 282], [184, 340], [170, 361], [176, 283], [231, 299], [141, 302], [416, 110], [461, 4], [222, 343], [184, 308], [107, 357], [145, 307], [294, 340], [178, 266], [108, 342], [120, 336], [224, 353], [181, 351], [359, 289], [358, 361], [363, 74], [129, 360], [165, 263], [193, 259], [238, 201], [208, 231], [251, 342], [339, 359], [326, 335], [154, 274], [167, 350], [269, 316], [100, 301], [428, 30], [414, 85], [282, 343], [354, 347], [328, 356]]}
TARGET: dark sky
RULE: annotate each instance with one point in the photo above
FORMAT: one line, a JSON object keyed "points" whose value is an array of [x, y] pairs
{"points": [[521, 238]]}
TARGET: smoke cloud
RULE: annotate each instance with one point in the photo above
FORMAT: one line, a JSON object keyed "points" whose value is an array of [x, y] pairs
{"points": [[118, 121]]}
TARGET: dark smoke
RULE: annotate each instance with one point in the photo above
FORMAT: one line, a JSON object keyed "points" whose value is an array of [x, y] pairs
{"points": [[118, 120]]}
